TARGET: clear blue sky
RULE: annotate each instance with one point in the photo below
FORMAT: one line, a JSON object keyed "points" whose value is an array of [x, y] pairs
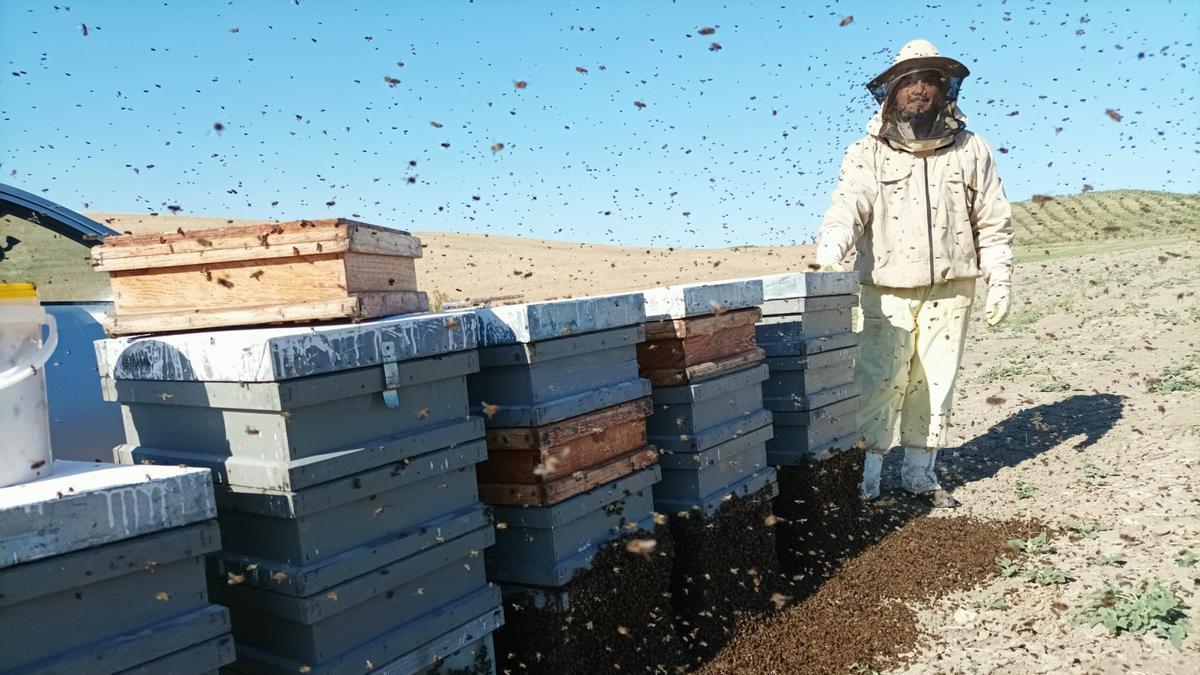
{"points": [[736, 145]]}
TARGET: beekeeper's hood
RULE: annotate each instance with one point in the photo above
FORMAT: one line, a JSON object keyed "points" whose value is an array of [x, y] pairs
{"points": [[916, 57]]}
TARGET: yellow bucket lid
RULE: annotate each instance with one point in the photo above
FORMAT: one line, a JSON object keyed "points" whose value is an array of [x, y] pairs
{"points": [[18, 291]]}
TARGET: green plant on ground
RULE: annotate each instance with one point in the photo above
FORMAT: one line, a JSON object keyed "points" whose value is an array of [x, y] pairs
{"points": [[1055, 384], [1007, 371], [1008, 566], [1109, 560], [1045, 575], [991, 603], [1080, 530], [1182, 377], [1021, 319], [1094, 475], [1025, 490], [864, 669], [1186, 558], [1149, 607], [1037, 544]]}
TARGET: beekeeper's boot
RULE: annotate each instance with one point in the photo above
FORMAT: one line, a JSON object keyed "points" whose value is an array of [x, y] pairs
{"points": [[918, 476], [872, 468]]}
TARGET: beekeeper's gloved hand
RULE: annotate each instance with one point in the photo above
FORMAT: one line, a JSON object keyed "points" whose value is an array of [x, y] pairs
{"points": [[826, 263], [999, 295]]}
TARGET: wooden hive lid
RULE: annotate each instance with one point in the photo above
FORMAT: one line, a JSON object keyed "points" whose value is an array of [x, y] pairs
{"points": [[251, 242]]}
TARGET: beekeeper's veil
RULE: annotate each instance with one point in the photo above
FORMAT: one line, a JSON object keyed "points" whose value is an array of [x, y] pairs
{"points": [[919, 56]]}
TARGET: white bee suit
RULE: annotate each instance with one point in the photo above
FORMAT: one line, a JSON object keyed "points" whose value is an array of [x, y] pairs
{"points": [[925, 218]]}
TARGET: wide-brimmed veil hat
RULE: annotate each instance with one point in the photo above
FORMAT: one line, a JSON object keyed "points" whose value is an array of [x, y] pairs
{"points": [[916, 56]]}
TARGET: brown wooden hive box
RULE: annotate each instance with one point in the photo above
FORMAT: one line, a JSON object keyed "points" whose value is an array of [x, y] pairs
{"points": [[539, 466], [679, 351], [306, 270]]}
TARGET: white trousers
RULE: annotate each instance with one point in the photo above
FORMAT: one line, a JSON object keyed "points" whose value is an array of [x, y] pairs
{"points": [[910, 349]]}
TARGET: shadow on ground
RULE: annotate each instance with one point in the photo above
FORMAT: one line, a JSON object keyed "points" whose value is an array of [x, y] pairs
{"points": [[1019, 438], [1012, 441]]}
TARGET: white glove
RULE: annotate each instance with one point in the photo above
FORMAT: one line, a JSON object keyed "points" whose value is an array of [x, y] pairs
{"points": [[828, 264], [999, 295]]}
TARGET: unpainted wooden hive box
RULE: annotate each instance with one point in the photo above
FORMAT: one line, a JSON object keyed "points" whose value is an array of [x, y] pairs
{"points": [[306, 270]]}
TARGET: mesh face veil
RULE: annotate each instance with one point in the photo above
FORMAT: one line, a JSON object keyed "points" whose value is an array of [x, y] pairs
{"points": [[906, 124]]}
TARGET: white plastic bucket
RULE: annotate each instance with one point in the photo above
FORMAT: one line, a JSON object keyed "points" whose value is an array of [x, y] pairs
{"points": [[24, 417]]}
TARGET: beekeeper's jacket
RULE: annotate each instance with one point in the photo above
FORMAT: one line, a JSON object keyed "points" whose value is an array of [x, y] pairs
{"points": [[918, 218]]}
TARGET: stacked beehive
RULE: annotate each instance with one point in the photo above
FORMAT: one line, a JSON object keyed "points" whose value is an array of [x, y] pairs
{"points": [[569, 477], [102, 571], [709, 421], [343, 455], [807, 333], [344, 460]]}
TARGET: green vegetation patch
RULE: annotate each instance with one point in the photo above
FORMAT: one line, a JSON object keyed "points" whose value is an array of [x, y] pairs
{"points": [[1148, 607]]}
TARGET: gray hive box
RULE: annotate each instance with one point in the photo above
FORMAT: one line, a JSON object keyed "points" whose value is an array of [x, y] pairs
{"points": [[326, 521], [708, 409], [807, 326], [807, 375], [817, 433], [678, 302], [120, 549], [693, 476], [801, 347], [321, 628], [274, 354], [277, 435], [548, 545], [84, 504], [537, 321], [465, 649], [526, 385], [470, 615], [762, 484], [808, 284], [800, 306]]}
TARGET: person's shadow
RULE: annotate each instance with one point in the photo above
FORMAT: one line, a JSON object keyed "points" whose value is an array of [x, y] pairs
{"points": [[835, 526], [1019, 438]]}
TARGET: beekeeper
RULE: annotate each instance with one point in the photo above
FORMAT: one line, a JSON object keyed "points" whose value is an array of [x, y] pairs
{"points": [[921, 204]]}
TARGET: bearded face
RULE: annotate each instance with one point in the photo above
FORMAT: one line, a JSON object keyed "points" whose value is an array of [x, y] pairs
{"points": [[916, 95]]}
